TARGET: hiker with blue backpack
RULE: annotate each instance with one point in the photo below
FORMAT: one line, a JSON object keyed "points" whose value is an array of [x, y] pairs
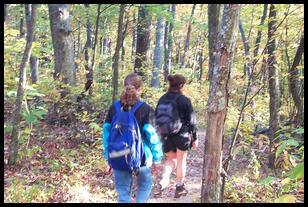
{"points": [[176, 125], [131, 144]]}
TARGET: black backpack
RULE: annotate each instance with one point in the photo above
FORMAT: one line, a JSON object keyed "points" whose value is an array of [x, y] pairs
{"points": [[168, 121]]}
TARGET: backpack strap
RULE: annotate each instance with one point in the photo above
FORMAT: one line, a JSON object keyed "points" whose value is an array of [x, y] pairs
{"points": [[118, 106], [136, 106], [177, 96]]}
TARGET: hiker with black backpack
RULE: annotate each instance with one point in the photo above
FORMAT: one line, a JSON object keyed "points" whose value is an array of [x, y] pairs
{"points": [[131, 144], [176, 125]]}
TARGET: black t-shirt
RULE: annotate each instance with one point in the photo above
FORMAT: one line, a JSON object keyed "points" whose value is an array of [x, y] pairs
{"points": [[186, 111]]}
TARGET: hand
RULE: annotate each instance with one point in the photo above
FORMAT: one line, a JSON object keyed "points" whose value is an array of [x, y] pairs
{"points": [[194, 144], [108, 170], [156, 164]]}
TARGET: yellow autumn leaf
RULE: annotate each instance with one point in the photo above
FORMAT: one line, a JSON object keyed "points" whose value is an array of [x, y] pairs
{"points": [[286, 199]]}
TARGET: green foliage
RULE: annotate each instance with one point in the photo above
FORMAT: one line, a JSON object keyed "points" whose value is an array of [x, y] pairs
{"points": [[285, 145], [34, 115], [68, 170], [289, 182], [297, 172]]}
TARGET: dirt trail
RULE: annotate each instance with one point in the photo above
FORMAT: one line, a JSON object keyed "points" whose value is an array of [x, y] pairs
{"points": [[192, 179]]}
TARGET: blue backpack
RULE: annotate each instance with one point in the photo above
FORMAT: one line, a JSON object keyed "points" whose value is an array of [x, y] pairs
{"points": [[125, 150]]}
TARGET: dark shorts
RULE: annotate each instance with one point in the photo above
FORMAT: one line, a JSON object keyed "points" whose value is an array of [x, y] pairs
{"points": [[181, 141]]}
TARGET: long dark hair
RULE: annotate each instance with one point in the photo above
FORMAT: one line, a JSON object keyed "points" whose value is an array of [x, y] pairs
{"points": [[129, 95], [175, 81]]}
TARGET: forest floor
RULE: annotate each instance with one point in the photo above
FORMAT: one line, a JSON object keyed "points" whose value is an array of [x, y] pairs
{"points": [[241, 184], [193, 179], [53, 167]]}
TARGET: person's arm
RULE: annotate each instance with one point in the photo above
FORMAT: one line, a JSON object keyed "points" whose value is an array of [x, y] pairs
{"points": [[191, 116], [153, 141], [106, 130], [151, 138]]}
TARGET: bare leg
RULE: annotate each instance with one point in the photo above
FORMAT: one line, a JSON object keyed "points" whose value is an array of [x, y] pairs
{"points": [[181, 165], [170, 165]]}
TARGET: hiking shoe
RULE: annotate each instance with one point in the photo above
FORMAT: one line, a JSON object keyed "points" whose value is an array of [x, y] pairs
{"points": [[159, 191], [180, 191]]}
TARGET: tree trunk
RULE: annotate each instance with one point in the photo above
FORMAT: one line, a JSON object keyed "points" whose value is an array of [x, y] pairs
{"points": [[258, 40], [106, 40], [115, 65], [87, 47], [33, 59], [90, 77], [294, 85], [166, 55], [6, 7], [186, 45], [21, 25], [246, 49], [169, 46], [134, 38], [21, 85], [62, 43], [143, 41], [273, 83], [213, 20], [34, 63], [78, 40], [158, 52], [200, 65], [122, 45], [220, 84]]}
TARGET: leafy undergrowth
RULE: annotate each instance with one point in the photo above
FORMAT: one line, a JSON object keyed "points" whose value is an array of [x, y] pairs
{"points": [[60, 163], [242, 188], [64, 172], [251, 180]]}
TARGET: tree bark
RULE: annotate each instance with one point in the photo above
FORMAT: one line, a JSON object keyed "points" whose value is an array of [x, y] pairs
{"points": [[134, 38], [200, 65], [90, 77], [88, 46], [213, 20], [294, 85], [220, 84], [258, 40], [169, 45], [33, 59], [62, 42], [166, 55], [273, 83], [246, 49], [20, 92], [6, 7], [158, 52], [106, 40], [122, 45], [115, 65], [143, 41], [21, 25], [186, 45]]}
